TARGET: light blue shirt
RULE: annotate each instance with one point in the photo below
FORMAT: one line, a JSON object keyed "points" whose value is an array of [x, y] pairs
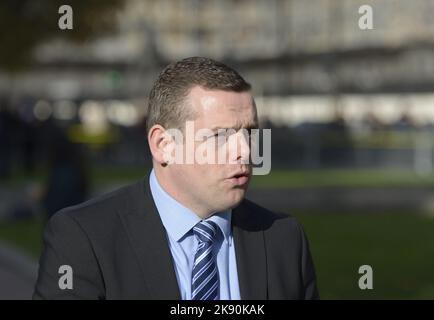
{"points": [[179, 222]]}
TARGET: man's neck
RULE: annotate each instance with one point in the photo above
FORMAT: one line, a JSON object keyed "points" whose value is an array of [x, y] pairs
{"points": [[164, 182]]}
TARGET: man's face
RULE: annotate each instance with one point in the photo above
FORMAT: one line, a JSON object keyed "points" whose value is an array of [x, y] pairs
{"points": [[212, 187]]}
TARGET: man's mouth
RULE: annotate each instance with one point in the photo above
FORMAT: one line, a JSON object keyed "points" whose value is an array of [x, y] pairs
{"points": [[240, 178]]}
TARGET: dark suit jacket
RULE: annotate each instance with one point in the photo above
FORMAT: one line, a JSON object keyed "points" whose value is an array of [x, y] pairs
{"points": [[117, 248]]}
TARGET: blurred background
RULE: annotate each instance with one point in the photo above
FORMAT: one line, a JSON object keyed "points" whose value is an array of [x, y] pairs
{"points": [[351, 113]]}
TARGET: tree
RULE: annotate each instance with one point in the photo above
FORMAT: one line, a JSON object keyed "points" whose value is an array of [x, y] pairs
{"points": [[26, 23]]}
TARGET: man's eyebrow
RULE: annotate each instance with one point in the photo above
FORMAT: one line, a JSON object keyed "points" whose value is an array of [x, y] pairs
{"points": [[249, 126]]}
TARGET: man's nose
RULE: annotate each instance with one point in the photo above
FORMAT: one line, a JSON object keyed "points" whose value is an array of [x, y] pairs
{"points": [[242, 147]]}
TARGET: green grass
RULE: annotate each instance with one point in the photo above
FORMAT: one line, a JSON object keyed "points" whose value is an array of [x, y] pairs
{"points": [[342, 178], [25, 235], [398, 246], [101, 175]]}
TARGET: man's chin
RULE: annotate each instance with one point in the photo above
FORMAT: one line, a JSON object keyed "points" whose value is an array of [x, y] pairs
{"points": [[237, 198]]}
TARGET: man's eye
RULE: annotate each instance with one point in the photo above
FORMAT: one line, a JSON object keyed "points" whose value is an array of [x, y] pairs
{"points": [[219, 137], [248, 133], [222, 135], [214, 136]]}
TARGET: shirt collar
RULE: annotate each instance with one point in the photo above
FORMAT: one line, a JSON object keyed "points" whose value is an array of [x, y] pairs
{"points": [[177, 219]]}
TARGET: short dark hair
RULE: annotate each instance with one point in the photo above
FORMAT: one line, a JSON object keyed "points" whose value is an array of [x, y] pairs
{"points": [[166, 100]]}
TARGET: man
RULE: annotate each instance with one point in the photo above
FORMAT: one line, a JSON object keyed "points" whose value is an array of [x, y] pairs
{"points": [[185, 231]]}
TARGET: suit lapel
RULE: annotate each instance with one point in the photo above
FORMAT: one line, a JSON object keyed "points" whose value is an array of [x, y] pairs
{"points": [[149, 241], [250, 255]]}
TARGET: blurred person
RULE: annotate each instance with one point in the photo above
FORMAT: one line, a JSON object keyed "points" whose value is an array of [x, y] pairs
{"points": [[5, 141], [373, 123], [67, 183], [336, 143], [404, 123], [28, 135], [185, 231]]}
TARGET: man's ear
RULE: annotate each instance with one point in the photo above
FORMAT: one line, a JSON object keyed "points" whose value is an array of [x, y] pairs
{"points": [[159, 140]]}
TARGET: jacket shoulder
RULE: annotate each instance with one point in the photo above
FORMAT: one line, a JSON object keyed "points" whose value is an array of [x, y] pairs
{"points": [[100, 210]]}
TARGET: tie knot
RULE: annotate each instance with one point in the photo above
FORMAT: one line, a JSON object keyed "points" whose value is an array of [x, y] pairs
{"points": [[206, 231]]}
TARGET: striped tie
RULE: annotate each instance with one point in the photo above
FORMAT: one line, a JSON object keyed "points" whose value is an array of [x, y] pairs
{"points": [[205, 278]]}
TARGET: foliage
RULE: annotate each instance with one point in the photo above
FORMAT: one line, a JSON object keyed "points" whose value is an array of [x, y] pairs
{"points": [[26, 23]]}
